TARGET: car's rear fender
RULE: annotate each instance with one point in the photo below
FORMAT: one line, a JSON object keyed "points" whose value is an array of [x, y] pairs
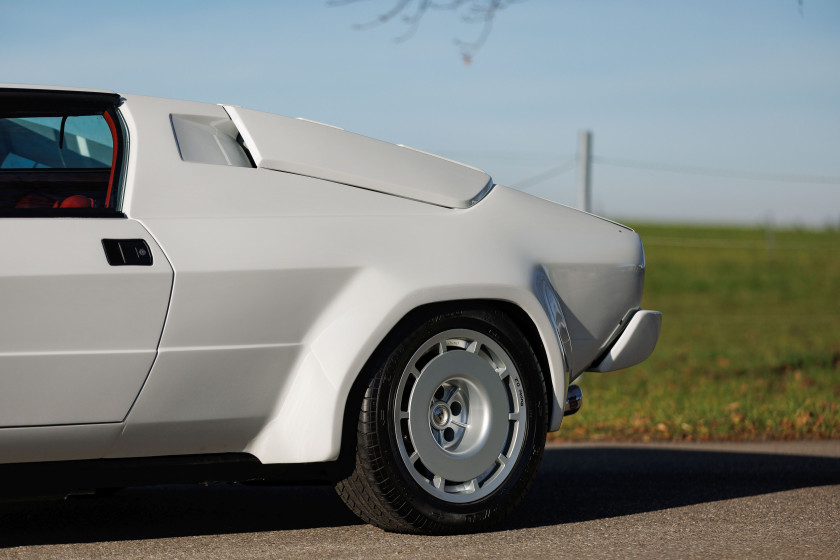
{"points": [[300, 430]]}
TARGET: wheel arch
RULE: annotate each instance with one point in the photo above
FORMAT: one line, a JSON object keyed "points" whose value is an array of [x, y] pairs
{"points": [[515, 313]]}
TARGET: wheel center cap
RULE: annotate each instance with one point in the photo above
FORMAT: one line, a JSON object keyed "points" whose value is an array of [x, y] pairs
{"points": [[440, 415]]}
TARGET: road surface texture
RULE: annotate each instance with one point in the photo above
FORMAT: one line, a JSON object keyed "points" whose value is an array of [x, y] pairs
{"points": [[765, 500]]}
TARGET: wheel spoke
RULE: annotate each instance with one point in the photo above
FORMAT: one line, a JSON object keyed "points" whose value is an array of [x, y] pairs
{"points": [[501, 460], [442, 347], [414, 457], [502, 371], [515, 416], [474, 347], [438, 482], [404, 415]]}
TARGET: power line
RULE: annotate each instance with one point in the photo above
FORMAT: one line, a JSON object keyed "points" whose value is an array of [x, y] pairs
{"points": [[502, 155], [712, 172], [556, 171]]}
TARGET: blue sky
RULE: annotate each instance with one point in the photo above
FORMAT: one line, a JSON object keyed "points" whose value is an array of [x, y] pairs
{"points": [[721, 85]]}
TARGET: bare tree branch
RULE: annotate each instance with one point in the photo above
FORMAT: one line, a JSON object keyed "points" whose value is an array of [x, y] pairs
{"points": [[411, 13]]}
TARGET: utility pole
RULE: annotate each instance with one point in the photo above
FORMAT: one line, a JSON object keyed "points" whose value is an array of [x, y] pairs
{"points": [[585, 161]]}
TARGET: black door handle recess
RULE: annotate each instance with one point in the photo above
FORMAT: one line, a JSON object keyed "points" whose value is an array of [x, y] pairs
{"points": [[133, 252]]}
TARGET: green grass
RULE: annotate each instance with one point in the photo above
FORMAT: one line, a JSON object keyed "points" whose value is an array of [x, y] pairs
{"points": [[750, 342]]}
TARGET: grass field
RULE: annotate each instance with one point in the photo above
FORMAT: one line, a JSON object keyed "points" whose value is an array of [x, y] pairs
{"points": [[750, 343]]}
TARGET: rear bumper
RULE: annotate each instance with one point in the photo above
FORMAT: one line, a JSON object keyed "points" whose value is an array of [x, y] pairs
{"points": [[635, 344]]}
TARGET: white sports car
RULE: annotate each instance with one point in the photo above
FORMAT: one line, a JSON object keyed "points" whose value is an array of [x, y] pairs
{"points": [[196, 292]]}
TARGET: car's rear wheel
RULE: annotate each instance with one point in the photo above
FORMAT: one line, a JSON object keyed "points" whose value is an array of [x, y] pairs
{"points": [[452, 425]]}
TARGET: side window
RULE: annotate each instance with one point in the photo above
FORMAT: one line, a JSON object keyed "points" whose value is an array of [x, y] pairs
{"points": [[57, 161]]}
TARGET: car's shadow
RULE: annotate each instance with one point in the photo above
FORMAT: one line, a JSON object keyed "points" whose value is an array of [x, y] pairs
{"points": [[574, 484], [584, 483]]}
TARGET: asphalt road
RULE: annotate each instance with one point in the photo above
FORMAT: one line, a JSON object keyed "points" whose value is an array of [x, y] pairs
{"points": [[776, 500]]}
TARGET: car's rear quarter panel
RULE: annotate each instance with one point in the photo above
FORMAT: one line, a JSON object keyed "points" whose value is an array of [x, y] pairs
{"points": [[284, 286]]}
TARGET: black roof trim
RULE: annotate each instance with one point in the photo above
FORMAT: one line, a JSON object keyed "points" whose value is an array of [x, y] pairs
{"points": [[49, 102]]}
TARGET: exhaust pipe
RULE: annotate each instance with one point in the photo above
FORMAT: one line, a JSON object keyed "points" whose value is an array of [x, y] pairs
{"points": [[574, 400]]}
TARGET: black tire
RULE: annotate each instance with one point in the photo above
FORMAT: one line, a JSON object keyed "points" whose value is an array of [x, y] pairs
{"points": [[432, 416]]}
